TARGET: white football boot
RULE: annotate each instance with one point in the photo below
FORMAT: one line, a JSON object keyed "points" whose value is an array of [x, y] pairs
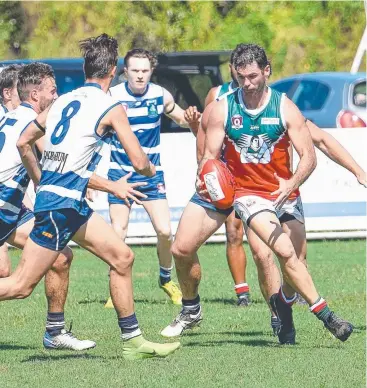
{"points": [[182, 322], [66, 340]]}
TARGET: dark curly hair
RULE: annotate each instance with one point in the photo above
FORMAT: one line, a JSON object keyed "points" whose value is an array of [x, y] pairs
{"points": [[245, 54]]}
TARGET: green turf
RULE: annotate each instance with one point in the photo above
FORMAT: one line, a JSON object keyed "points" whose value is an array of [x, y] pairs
{"points": [[234, 346]]}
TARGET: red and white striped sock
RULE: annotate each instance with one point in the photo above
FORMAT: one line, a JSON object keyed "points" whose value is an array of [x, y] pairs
{"points": [[318, 305], [321, 309], [241, 289]]}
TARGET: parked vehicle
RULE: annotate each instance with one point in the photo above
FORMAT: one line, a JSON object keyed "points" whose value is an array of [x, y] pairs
{"points": [[329, 99], [187, 75]]}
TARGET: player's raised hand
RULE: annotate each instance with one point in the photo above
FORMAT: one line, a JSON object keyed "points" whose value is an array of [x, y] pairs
{"points": [[192, 115], [285, 190], [193, 118], [125, 190]]}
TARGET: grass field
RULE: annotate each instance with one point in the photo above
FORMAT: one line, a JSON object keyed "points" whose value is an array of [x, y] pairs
{"points": [[233, 347]]}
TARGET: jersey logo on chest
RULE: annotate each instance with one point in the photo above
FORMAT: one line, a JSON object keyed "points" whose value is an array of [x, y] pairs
{"points": [[254, 148], [237, 121], [152, 108]]}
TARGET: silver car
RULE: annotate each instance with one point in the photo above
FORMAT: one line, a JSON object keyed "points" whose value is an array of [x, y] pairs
{"points": [[329, 99]]}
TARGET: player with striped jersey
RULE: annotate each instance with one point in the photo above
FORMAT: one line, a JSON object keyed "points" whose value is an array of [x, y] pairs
{"points": [[9, 101], [8, 89], [76, 124], [145, 103], [37, 90]]}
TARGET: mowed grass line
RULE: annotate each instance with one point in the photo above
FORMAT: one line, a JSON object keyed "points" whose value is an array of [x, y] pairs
{"points": [[233, 347]]}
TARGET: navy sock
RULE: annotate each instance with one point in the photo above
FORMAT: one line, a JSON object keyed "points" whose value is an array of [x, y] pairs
{"points": [[164, 275], [55, 323], [191, 305], [129, 327]]}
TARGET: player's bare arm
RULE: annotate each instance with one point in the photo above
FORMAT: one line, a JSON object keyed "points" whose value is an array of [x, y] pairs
{"points": [[214, 137], [177, 114], [33, 132], [214, 134], [117, 118], [200, 137], [302, 142], [210, 97], [336, 152]]}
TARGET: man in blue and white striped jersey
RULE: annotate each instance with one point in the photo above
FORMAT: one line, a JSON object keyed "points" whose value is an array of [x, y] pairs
{"points": [[37, 90], [9, 101], [144, 103]]}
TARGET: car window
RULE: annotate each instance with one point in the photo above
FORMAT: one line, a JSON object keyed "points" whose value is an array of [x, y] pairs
{"points": [[285, 87], [67, 80], [359, 94], [186, 89], [310, 95]]}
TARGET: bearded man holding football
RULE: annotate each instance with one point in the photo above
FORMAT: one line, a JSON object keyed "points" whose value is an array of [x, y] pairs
{"points": [[251, 130]]}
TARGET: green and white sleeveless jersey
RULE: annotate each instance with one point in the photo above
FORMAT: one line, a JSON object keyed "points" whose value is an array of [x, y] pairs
{"points": [[225, 88], [256, 143]]}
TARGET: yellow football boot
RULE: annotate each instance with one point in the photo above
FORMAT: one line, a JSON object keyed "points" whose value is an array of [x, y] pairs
{"points": [[138, 348], [109, 304], [172, 290]]}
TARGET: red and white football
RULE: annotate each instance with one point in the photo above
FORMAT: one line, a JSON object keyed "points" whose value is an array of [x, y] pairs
{"points": [[219, 183]]}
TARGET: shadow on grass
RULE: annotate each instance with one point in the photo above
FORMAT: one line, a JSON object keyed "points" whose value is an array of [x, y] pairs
{"points": [[103, 301], [222, 301], [232, 301], [240, 333], [4, 346], [258, 342], [52, 357], [358, 329]]}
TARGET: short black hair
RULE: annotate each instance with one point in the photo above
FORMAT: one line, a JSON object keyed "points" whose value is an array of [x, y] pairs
{"points": [[8, 78], [32, 74], [141, 53], [100, 55], [245, 54]]}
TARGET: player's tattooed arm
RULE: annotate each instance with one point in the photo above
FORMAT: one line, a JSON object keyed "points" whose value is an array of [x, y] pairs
{"points": [[302, 142], [117, 118], [185, 119], [336, 152], [30, 137]]}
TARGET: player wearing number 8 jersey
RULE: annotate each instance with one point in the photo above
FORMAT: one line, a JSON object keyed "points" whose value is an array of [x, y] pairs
{"points": [[76, 124], [37, 90]]}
